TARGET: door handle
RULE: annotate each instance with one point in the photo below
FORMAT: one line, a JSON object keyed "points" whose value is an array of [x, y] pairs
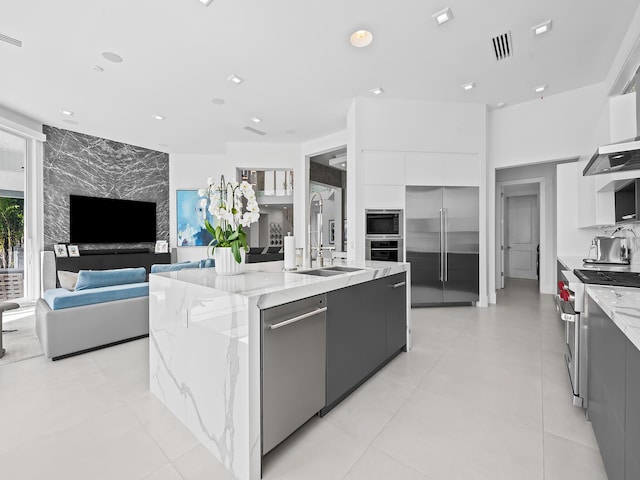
{"points": [[444, 236], [297, 319], [398, 285], [441, 245]]}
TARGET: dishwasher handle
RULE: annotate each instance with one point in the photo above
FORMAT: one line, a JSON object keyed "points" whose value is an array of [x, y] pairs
{"points": [[297, 319]]}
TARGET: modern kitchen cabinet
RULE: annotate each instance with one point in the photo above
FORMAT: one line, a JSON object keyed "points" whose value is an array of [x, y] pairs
{"points": [[632, 416], [366, 326], [606, 388]]}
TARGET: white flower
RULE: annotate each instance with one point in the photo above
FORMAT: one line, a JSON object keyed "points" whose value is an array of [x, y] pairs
{"points": [[202, 192], [210, 181]]}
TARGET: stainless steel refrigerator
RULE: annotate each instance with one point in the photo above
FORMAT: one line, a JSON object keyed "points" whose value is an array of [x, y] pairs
{"points": [[442, 244]]}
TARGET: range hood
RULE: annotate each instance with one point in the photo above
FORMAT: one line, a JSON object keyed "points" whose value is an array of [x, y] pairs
{"points": [[615, 157], [619, 156]]}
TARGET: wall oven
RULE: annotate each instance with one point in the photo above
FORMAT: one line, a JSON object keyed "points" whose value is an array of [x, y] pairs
{"points": [[383, 250], [570, 305], [384, 223]]}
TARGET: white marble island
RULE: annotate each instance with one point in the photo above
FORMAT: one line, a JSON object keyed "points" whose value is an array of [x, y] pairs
{"points": [[204, 348]]}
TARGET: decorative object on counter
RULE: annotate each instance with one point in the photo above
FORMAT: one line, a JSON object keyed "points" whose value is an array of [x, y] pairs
{"points": [[73, 251], [60, 249], [289, 253], [162, 246], [227, 206]]}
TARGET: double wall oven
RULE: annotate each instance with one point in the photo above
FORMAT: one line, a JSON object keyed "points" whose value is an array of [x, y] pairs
{"points": [[384, 235]]}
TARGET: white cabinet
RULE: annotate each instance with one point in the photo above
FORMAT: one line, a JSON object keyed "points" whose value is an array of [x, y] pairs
{"points": [[448, 169], [383, 168], [379, 196]]}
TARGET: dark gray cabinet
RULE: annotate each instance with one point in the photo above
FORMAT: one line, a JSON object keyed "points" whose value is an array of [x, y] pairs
{"points": [[632, 418], [366, 325], [606, 388]]}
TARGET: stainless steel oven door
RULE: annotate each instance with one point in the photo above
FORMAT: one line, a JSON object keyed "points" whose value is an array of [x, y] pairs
{"points": [[571, 320]]}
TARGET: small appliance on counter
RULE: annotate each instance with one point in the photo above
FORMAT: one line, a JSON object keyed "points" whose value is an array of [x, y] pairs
{"points": [[609, 250]]}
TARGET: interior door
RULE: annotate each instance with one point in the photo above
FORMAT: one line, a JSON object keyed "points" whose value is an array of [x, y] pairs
{"points": [[462, 247], [423, 243], [522, 236]]}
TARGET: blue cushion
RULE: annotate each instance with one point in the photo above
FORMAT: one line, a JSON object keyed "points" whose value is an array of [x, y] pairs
{"points": [[172, 267], [207, 263], [104, 278], [59, 298]]}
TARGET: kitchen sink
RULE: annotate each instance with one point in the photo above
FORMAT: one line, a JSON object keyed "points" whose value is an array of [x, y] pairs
{"points": [[339, 268], [320, 272]]}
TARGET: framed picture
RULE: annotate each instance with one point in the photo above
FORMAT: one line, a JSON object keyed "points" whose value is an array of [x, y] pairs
{"points": [[162, 246], [191, 210], [60, 249], [73, 250], [332, 231]]}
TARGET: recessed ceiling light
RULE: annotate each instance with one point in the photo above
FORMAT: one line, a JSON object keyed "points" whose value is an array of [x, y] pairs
{"points": [[235, 79], [361, 38], [377, 91], [540, 88], [97, 68], [68, 113], [157, 117], [256, 119], [469, 86], [218, 101], [542, 28], [443, 16], [206, 3], [500, 104], [112, 57]]}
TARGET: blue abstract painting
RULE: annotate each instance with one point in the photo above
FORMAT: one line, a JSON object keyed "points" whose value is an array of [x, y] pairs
{"points": [[191, 210]]}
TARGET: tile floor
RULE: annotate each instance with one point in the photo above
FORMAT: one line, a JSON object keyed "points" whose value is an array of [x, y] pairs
{"points": [[484, 394]]}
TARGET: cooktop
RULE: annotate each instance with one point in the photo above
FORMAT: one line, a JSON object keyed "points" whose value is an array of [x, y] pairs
{"points": [[617, 279]]}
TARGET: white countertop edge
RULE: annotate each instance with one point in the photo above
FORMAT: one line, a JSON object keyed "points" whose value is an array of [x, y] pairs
{"points": [[622, 306]]}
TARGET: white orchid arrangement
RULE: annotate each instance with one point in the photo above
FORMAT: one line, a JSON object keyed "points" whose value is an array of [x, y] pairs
{"points": [[227, 205]]}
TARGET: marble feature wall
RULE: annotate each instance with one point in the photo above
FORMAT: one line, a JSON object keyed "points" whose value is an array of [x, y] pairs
{"points": [[78, 164]]}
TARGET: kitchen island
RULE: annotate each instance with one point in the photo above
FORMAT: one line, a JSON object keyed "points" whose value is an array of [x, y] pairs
{"points": [[205, 341]]}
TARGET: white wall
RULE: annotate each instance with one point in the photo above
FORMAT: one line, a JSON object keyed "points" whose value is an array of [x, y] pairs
{"points": [[190, 171]]}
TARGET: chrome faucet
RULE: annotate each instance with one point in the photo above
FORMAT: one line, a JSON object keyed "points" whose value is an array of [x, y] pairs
{"points": [[319, 232]]}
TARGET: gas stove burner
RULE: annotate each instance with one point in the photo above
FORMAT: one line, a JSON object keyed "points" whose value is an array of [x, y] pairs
{"points": [[616, 279]]}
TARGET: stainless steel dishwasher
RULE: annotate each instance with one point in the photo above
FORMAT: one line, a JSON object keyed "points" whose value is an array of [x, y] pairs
{"points": [[293, 367]]}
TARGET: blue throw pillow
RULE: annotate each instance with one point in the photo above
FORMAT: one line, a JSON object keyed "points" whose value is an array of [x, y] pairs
{"points": [[105, 278], [172, 267], [207, 263]]}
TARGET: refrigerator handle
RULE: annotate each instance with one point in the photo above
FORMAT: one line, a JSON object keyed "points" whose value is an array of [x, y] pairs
{"points": [[442, 244], [445, 260]]}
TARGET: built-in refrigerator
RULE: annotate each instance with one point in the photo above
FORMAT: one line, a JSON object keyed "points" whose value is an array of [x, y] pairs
{"points": [[442, 244]]}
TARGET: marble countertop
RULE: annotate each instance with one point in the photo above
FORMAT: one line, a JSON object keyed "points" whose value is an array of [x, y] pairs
{"points": [[622, 305], [265, 278], [574, 262]]}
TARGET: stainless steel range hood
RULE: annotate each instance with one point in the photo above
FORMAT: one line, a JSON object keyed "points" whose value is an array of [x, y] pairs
{"points": [[618, 156], [615, 157]]}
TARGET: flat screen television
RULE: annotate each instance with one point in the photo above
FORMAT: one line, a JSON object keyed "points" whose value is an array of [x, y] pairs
{"points": [[111, 220]]}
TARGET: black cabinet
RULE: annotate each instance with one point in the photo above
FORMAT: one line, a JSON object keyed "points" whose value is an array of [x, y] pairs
{"points": [[396, 313], [632, 418], [366, 326], [606, 388]]}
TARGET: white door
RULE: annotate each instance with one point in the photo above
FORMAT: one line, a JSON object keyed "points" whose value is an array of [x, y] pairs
{"points": [[522, 236]]}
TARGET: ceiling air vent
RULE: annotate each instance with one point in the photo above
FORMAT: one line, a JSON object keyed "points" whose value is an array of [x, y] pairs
{"points": [[255, 130], [502, 46], [8, 39]]}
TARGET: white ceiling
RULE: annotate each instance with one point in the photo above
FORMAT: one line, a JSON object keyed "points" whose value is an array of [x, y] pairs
{"points": [[300, 71]]}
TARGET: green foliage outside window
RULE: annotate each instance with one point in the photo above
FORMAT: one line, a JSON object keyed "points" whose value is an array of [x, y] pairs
{"points": [[11, 229]]}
